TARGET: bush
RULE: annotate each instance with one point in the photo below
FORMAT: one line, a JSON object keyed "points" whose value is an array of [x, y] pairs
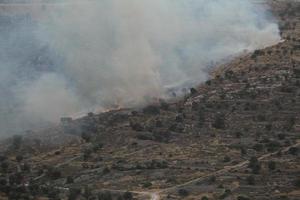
{"points": [[144, 136], [136, 126], [74, 193], [86, 137], [163, 104], [273, 146], [120, 197], [293, 151], [257, 53], [26, 167], [254, 165], [87, 154], [97, 146], [281, 136], [243, 198], [128, 196], [250, 180], [243, 151], [4, 166], [212, 179], [69, 180], [54, 173], [201, 118], [226, 193], [227, 159], [2, 158], [258, 147], [297, 183], [152, 110], [19, 158], [183, 192], [238, 134], [193, 91], [106, 170], [219, 122], [272, 165], [268, 127], [147, 184], [105, 196]]}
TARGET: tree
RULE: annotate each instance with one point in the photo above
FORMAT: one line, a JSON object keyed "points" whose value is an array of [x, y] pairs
{"points": [[219, 122]]}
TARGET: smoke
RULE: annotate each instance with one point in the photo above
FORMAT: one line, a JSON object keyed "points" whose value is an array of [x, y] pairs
{"points": [[91, 55]]}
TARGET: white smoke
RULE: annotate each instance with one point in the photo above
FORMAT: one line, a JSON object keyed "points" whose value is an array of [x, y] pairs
{"points": [[123, 51]]}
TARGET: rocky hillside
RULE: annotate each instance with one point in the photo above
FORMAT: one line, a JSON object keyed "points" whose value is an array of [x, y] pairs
{"points": [[234, 137]]}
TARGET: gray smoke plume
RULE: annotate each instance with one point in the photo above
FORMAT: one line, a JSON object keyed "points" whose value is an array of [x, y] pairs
{"points": [[87, 55]]}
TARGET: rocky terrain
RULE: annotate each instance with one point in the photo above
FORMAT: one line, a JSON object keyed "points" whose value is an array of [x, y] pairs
{"points": [[236, 136]]}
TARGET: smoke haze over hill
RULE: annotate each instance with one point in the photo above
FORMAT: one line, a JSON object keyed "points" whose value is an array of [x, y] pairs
{"points": [[82, 57]]}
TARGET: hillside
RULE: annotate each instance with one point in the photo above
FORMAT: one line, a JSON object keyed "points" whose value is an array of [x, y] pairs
{"points": [[235, 136]]}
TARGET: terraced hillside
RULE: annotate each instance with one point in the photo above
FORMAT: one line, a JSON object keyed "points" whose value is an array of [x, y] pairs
{"points": [[234, 137]]}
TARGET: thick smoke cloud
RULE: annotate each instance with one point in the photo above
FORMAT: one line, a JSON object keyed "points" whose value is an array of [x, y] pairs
{"points": [[78, 57]]}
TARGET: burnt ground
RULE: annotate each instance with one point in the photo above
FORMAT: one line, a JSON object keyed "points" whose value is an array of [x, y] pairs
{"points": [[234, 137]]}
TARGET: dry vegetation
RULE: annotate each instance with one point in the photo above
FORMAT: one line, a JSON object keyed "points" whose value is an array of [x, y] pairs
{"points": [[234, 137]]}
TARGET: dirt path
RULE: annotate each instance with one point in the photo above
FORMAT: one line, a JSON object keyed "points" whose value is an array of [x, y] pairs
{"points": [[226, 169], [59, 165], [156, 195]]}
